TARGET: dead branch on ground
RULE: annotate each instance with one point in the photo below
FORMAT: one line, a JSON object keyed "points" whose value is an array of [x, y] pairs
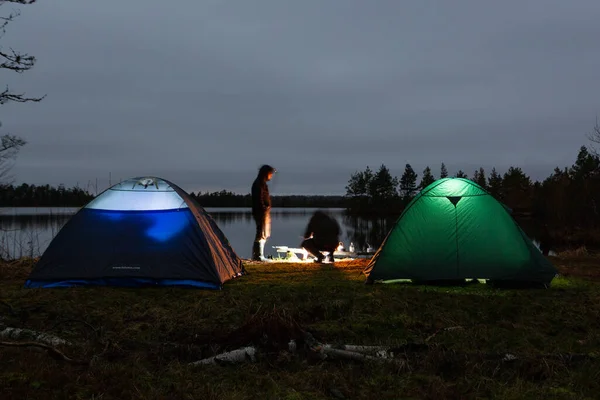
{"points": [[52, 351]]}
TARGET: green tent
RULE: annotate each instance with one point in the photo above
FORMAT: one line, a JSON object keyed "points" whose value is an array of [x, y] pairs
{"points": [[455, 230]]}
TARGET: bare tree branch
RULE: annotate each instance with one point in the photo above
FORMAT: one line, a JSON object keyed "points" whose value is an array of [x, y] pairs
{"points": [[594, 137], [52, 351], [18, 1], [7, 96], [6, 20], [13, 60], [16, 62], [9, 148], [13, 15]]}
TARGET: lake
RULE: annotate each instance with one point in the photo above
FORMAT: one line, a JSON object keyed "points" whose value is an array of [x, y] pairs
{"points": [[28, 231]]}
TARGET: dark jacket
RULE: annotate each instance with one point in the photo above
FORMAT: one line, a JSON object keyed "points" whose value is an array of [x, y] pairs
{"points": [[324, 228], [261, 200]]}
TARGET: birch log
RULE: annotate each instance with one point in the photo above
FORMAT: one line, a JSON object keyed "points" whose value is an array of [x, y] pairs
{"points": [[235, 356], [16, 333]]}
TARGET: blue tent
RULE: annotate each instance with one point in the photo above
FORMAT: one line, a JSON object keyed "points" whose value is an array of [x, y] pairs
{"points": [[140, 232]]}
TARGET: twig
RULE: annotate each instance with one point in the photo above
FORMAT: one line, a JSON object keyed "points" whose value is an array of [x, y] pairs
{"points": [[257, 310], [451, 328], [97, 356], [95, 330], [11, 309], [52, 352], [563, 357]]}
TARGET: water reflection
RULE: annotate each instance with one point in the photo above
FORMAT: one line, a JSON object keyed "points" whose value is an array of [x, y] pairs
{"points": [[366, 232], [227, 217], [28, 235], [39, 221], [362, 232]]}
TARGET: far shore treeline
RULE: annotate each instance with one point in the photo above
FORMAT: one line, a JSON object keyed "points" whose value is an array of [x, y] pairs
{"points": [[566, 203]]}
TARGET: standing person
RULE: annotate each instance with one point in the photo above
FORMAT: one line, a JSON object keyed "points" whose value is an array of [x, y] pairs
{"points": [[322, 234], [261, 211]]}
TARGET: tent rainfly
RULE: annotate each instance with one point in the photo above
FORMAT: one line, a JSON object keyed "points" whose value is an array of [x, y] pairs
{"points": [[140, 232], [455, 230]]}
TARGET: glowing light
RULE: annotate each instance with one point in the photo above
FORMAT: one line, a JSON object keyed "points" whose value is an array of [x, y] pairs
{"points": [[113, 216], [143, 184], [454, 185], [156, 225], [133, 200], [166, 225]]}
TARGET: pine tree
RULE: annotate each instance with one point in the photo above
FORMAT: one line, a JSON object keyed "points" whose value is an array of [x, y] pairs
{"points": [[427, 178], [408, 182], [495, 184], [443, 171], [461, 174], [383, 185], [516, 189], [586, 165], [584, 188], [359, 183], [479, 177]]}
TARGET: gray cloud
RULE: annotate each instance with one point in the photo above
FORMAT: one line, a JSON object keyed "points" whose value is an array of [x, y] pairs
{"points": [[202, 93]]}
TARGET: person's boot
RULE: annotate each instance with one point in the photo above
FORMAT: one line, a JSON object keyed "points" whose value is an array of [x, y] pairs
{"points": [[320, 258], [331, 258], [261, 248]]}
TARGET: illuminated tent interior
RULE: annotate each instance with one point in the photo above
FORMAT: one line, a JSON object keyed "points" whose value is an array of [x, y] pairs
{"points": [[452, 231], [140, 232]]}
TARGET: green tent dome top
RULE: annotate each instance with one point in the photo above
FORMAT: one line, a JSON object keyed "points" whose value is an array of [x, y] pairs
{"points": [[453, 187]]}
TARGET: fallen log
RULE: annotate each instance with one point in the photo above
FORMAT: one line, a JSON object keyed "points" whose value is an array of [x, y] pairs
{"points": [[355, 356], [17, 333], [363, 349], [323, 350], [377, 351], [382, 354], [235, 356]]}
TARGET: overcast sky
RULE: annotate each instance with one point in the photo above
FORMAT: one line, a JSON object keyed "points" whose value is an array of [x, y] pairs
{"points": [[204, 92]]}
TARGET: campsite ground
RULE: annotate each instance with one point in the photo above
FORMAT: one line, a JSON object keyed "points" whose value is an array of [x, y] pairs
{"points": [[141, 340]]}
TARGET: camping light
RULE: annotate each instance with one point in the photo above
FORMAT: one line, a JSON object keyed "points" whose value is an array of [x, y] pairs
{"points": [[145, 182]]}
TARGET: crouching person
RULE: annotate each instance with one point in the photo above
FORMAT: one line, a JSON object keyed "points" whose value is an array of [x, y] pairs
{"points": [[322, 234]]}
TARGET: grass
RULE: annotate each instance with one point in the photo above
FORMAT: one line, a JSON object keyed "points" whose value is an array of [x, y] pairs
{"points": [[134, 330]]}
